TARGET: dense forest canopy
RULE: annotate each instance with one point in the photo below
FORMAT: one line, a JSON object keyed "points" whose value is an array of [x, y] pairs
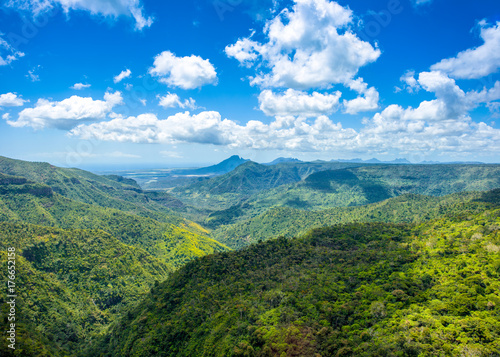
{"points": [[287, 259]]}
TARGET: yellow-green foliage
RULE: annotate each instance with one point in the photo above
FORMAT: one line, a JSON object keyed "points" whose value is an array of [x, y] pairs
{"points": [[161, 239]]}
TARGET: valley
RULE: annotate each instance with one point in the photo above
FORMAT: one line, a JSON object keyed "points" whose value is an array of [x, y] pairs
{"points": [[287, 258]]}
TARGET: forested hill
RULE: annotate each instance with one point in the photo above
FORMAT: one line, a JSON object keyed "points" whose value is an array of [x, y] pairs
{"points": [[341, 187], [79, 266], [247, 179], [70, 284], [289, 222], [171, 239], [350, 290], [106, 191]]}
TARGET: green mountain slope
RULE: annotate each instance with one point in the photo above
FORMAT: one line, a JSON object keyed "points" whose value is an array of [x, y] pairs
{"points": [[247, 179], [174, 244], [106, 191], [290, 222], [350, 290], [70, 284], [357, 186], [362, 185]]}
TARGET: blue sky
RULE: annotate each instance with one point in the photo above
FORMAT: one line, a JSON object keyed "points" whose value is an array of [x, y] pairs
{"points": [[127, 83]]}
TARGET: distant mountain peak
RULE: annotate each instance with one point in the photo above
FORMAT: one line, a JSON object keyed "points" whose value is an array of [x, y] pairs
{"points": [[400, 161], [222, 167], [233, 158], [281, 160]]}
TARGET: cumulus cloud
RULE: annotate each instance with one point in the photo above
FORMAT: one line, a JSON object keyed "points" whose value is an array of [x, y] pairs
{"points": [[410, 83], [106, 8], [450, 97], [309, 46], [477, 62], [6, 116], [366, 101], [7, 53], [11, 100], [123, 74], [66, 113], [205, 128], [486, 95], [210, 128], [80, 86], [441, 125], [293, 102], [245, 51], [394, 130], [172, 100], [387, 132], [183, 72]]}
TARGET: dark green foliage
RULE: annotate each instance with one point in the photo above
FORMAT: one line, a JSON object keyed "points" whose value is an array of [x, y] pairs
{"points": [[407, 208], [312, 186], [70, 285], [350, 290], [93, 254]]}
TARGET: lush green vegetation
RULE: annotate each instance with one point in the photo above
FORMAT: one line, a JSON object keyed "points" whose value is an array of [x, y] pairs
{"points": [[290, 222], [241, 195], [105, 191], [350, 290], [70, 284], [173, 240], [247, 179], [105, 268], [80, 266]]}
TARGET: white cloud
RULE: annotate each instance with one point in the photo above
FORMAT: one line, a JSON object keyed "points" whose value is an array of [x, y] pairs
{"points": [[245, 51], [486, 95], [7, 53], [367, 101], [388, 133], [11, 100], [172, 100], [203, 128], [32, 75], [310, 46], [441, 126], [391, 131], [293, 102], [450, 98], [477, 62], [411, 84], [123, 74], [106, 8], [66, 113], [6, 116], [80, 86], [184, 72]]}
